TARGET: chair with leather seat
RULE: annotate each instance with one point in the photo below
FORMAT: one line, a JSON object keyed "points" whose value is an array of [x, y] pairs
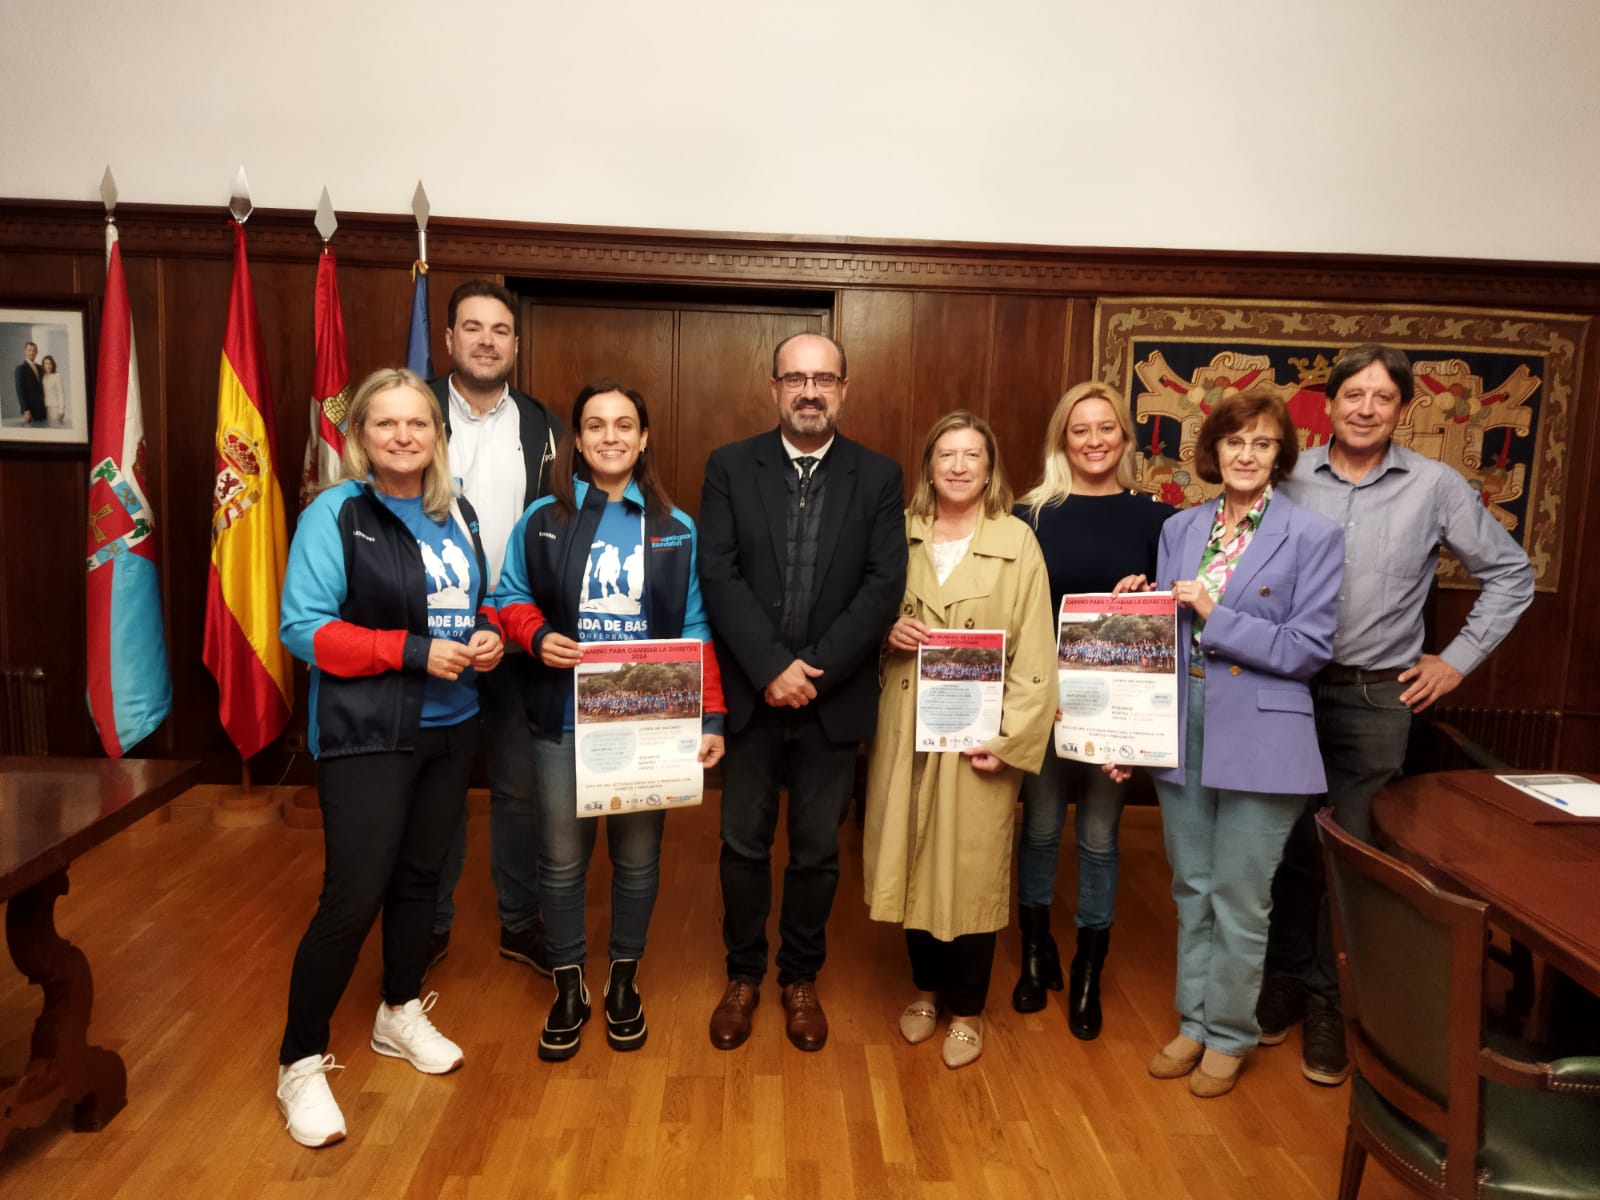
{"points": [[1431, 1099]]}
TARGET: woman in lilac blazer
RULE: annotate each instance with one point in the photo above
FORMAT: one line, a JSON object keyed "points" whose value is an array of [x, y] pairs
{"points": [[1256, 579]]}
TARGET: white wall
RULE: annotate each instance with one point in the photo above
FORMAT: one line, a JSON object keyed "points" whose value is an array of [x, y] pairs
{"points": [[1433, 127]]}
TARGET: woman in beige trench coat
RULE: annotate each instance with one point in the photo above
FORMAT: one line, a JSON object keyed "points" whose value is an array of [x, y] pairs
{"points": [[937, 852]]}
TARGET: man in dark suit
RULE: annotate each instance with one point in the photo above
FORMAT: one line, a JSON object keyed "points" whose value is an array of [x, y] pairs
{"points": [[502, 444], [30, 387], [802, 566]]}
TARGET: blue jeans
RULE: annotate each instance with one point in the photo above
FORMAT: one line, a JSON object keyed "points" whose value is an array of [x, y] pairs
{"points": [[507, 748], [1223, 847], [1099, 813], [633, 842], [1362, 730]]}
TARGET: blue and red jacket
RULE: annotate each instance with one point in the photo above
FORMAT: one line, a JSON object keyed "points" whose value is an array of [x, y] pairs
{"points": [[543, 572], [355, 607]]}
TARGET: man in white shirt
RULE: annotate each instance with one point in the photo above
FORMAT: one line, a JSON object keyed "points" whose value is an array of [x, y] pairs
{"points": [[502, 444]]}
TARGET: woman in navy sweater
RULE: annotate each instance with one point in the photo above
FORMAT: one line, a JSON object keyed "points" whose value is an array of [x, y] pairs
{"points": [[1093, 530]]}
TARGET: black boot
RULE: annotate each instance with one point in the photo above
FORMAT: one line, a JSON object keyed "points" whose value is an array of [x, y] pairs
{"points": [[1083, 1001], [564, 1025], [625, 1029], [1041, 961]]}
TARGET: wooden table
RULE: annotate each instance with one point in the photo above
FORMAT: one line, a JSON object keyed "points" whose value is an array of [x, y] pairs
{"points": [[51, 811], [1535, 867]]}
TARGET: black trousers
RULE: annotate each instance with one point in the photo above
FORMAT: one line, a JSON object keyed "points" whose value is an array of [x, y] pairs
{"points": [[957, 970], [787, 748], [387, 824]]}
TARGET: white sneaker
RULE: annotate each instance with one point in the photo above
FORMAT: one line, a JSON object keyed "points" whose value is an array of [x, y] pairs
{"points": [[407, 1033], [307, 1104]]}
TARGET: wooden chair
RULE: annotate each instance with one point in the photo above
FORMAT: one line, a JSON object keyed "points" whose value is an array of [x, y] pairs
{"points": [[1429, 1098]]}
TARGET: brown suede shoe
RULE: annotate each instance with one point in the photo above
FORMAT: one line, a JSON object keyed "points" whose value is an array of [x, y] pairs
{"points": [[730, 1020], [808, 1026]]}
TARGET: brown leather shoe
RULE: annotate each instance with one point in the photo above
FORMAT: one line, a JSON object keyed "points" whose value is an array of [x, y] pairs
{"points": [[730, 1020], [808, 1026]]}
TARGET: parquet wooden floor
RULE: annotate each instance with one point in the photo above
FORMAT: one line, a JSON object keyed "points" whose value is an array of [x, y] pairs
{"points": [[190, 930]]}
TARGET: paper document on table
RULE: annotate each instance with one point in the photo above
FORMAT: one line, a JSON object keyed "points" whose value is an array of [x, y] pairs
{"points": [[1571, 793]]}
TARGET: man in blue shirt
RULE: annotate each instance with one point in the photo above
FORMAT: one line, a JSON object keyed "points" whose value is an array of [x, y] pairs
{"points": [[1396, 508]]}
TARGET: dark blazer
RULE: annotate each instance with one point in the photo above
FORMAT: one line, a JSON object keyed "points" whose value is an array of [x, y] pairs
{"points": [[540, 433], [860, 576], [30, 390]]}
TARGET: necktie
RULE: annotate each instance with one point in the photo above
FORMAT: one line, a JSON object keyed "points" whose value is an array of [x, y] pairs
{"points": [[807, 464]]}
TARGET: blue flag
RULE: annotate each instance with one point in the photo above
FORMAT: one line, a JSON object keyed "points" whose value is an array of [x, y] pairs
{"points": [[419, 357]]}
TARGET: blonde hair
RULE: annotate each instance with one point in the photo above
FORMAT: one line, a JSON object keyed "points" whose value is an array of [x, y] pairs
{"points": [[996, 491], [1055, 485], [438, 494]]}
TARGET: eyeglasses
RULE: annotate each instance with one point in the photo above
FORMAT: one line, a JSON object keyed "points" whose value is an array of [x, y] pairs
{"points": [[795, 381], [1236, 445]]}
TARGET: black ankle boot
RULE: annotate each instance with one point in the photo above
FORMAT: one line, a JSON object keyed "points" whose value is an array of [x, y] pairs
{"points": [[625, 1029], [1041, 962], [564, 1026], [1083, 1000]]}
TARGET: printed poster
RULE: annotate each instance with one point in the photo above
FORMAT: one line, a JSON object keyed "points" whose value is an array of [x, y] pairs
{"points": [[636, 726], [961, 676], [1117, 665]]}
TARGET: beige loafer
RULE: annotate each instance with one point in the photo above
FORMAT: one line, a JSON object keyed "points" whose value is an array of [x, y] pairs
{"points": [[963, 1043], [918, 1021]]}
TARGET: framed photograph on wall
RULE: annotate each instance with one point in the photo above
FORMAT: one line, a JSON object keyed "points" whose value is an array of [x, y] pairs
{"points": [[44, 374]]}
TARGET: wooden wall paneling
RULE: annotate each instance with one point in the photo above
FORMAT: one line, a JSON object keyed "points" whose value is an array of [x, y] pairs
{"points": [[32, 276], [928, 326], [1077, 351], [564, 347], [526, 249], [952, 351], [1580, 742], [876, 330], [286, 304], [1029, 336], [723, 387], [568, 345], [43, 504], [377, 317]]}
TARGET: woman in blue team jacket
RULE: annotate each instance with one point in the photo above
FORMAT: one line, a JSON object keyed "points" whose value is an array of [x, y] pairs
{"points": [[382, 598], [604, 557]]}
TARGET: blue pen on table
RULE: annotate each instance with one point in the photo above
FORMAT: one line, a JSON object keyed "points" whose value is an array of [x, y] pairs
{"points": [[1543, 795]]}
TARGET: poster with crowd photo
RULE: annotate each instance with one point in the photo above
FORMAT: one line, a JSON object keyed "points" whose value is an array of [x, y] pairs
{"points": [[636, 726], [1117, 663], [961, 675]]}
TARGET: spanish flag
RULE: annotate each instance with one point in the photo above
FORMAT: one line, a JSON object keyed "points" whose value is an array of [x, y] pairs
{"points": [[249, 544]]}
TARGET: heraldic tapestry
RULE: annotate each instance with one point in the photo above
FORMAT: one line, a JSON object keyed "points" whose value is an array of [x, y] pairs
{"points": [[1494, 393]]}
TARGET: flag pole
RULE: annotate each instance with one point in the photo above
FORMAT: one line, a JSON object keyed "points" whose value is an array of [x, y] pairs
{"points": [[419, 356], [303, 810], [248, 807]]}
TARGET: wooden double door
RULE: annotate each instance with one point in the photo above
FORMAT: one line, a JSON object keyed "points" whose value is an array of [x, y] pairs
{"points": [[701, 362]]}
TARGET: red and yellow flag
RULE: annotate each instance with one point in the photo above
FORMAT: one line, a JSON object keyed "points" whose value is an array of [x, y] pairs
{"points": [[330, 396], [249, 543]]}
